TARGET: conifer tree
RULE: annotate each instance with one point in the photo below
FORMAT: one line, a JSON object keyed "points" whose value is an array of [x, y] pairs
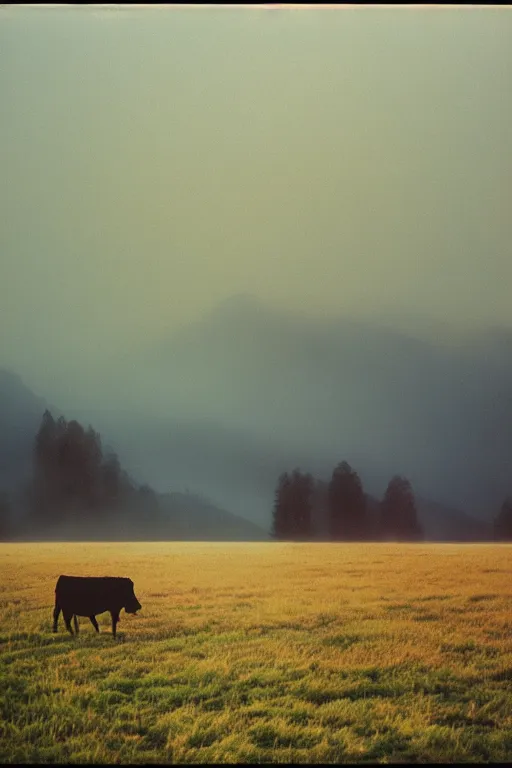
{"points": [[399, 518], [293, 506], [301, 493], [281, 512], [347, 505]]}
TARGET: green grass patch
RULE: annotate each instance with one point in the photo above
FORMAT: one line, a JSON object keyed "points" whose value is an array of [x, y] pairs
{"points": [[266, 653]]}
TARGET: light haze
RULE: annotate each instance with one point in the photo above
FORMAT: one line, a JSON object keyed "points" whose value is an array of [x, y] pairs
{"points": [[158, 160]]}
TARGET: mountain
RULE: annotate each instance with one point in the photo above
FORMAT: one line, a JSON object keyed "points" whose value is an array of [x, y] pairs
{"points": [[442, 523], [20, 415], [195, 519], [174, 517], [222, 406], [177, 516], [249, 391], [227, 463], [234, 468]]}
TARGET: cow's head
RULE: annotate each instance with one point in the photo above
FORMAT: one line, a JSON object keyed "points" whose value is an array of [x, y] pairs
{"points": [[131, 605]]}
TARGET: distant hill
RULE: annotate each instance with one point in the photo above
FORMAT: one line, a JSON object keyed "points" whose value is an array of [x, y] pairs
{"points": [[247, 391], [20, 415], [195, 519], [179, 516], [436, 408], [442, 523], [234, 468]]}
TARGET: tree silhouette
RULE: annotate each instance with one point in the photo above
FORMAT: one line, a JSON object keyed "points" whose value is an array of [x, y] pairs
{"points": [[92, 469], [71, 476], [73, 463], [47, 460], [281, 512], [503, 522], [111, 479], [301, 492], [292, 506], [399, 519], [347, 505]]}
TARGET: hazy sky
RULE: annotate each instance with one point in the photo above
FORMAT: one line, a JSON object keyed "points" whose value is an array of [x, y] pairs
{"points": [[155, 161]]}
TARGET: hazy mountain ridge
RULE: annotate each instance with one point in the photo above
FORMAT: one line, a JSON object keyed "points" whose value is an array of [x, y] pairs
{"points": [[306, 391], [20, 415], [177, 517], [180, 516], [264, 359]]}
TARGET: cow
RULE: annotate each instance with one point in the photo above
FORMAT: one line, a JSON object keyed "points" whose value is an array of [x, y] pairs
{"points": [[90, 595]]}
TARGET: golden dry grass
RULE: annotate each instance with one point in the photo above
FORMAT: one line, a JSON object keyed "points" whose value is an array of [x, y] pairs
{"points": [[262, 653]]}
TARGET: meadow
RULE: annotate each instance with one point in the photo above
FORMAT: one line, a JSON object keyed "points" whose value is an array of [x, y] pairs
{"points": [[275, 652]]}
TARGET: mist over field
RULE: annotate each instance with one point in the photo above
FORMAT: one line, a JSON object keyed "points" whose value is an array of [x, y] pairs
{"points": [[237, 240]]}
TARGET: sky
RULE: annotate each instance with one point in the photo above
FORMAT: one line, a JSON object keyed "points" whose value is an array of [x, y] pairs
{"points": [[156, 161]]}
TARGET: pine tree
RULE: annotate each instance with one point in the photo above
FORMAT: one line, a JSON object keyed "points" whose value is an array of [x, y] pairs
{"points": [[73, 482], [347, 505], [111, 480], [293, 506], [73, 460], [399, 519], [301, 493], [92, 468], [281, 512], [45, 487]]}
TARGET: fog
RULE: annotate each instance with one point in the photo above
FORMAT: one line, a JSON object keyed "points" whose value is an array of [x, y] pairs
{"points": [[332, 162]]}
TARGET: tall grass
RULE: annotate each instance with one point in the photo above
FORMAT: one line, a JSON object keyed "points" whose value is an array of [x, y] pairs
{"points": [[261, 653]]}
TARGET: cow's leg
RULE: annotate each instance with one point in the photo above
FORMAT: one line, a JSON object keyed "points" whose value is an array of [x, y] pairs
{"points": [[75, 619], [94, 623], [67, 619], [115, 619], [56, 614]]}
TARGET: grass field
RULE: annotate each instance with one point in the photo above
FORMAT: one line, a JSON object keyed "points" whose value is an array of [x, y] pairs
{"points": [[262, 653]]}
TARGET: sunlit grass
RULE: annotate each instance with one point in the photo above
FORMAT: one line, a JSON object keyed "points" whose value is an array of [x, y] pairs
{"points": [[262, 653]]}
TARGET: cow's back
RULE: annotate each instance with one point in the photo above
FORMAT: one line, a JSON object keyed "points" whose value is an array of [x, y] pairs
{"points": [[90, 595]]}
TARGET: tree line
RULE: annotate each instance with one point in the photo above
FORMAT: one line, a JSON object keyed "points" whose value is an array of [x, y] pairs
{"points": [[70, 471], [297, 507], [74, 480]]}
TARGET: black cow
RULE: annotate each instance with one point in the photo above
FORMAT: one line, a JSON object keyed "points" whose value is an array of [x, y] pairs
{"points": [[90, 595]]}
